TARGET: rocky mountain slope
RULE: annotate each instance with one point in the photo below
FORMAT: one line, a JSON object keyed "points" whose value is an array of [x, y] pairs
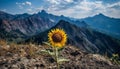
{"points": [[22, 26], [84, 38], [27, 57], [26, 24]]}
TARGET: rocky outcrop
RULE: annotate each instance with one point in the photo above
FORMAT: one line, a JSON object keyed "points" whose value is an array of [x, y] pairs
{"points": [[77, 59]]}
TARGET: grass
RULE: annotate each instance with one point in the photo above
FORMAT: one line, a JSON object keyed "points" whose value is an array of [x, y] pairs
{"points": [[30, 51], [115, 59], [21, 50]]}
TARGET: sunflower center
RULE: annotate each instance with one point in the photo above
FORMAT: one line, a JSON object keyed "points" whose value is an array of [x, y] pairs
{"points": [[57, 37]]}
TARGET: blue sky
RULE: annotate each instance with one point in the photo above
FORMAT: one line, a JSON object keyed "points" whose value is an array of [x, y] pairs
{"points": [[71, 8]]}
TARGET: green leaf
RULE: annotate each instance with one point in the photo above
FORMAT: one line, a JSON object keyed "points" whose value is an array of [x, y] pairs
{"points": [[48, 52], [62, 60], [60, 49], [47, 43], [44, 51]]}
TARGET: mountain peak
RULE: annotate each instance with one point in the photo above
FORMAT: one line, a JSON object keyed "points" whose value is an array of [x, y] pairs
{"points": [[100, 15], [62, 16], [43, 11]]}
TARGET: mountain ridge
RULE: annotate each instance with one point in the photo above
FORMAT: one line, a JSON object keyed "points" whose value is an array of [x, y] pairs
{"points": [[30, 25], [104, 24], [33, 24], [86, 39]]}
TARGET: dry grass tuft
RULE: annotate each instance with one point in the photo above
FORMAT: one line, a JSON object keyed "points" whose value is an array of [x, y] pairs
{"points": [[22, 50]]}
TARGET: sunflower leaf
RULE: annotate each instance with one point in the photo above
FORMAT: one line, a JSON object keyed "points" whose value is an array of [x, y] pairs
{"points": [[51, 53], [62, 60], [44, 51], [47, 43], [60, 49], [48, 52]]}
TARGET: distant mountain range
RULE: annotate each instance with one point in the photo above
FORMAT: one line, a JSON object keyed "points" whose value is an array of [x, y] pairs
{"points": [[26, 25], [89, 34], [56, 19], [32, 24], [84, 38], [104, 24]]}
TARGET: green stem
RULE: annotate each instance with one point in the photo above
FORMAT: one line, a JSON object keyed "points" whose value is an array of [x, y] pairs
{"points": [[56, 57]]}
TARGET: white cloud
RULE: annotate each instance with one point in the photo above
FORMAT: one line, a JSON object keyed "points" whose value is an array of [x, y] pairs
{"points": [[19, 5], [83, 8], [38, 9], [33, 10], [80, 9], [69, 0], [59, 2], [29, 10], [112, 10], [53, 1], [28, 3], [22, 5], [75, 8]]}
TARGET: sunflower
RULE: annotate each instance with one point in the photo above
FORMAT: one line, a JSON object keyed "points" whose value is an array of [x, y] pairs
{"points": [[57, 38]]}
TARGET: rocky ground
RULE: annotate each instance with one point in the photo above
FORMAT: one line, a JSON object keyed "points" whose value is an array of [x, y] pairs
{"points": [[25, 57]]}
